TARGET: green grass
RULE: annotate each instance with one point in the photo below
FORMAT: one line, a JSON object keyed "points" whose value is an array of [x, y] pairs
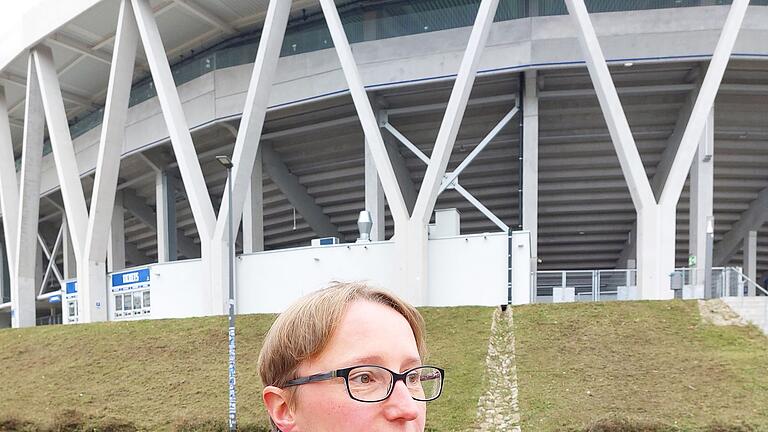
{"points": [[619, 366], [655, 364], [171, 374]]}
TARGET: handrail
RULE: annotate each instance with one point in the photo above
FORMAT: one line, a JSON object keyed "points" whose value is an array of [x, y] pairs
{"points": [[749, 280]]}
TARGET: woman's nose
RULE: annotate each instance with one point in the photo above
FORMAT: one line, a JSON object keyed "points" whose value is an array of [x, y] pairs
{"points": [[400, 406]]}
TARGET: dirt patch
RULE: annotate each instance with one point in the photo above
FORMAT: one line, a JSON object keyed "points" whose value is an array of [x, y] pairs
{"points": [[717, 312]]}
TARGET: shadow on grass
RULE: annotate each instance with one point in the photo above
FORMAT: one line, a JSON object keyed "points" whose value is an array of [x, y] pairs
{"points": [[629, 425], [74, 421]]}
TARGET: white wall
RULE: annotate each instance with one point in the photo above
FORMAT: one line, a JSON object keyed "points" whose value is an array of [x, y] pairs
{"points": [[178, 289], [464, 270], [270, 281], [468, 270], [522, 278]]}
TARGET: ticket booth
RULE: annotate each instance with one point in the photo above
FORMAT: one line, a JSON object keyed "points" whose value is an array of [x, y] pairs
{"points": [[130, 297], [70, 308]]}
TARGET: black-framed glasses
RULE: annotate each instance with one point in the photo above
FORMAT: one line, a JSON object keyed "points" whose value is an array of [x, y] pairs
{"points": [[371, 383]]}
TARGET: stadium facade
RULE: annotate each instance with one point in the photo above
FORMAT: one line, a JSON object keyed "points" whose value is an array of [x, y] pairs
{"points": [[488, 140]]}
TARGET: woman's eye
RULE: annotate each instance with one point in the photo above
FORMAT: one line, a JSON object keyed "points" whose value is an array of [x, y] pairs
{"points": [[414, 378], [363, 378]]}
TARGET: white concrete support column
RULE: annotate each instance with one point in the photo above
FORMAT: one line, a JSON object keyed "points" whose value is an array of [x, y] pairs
{"points": [[106, 211], [655, 251], [68, 251], [368, 120], [247, 146], [411, 233], [701, 192], [705, 100], [9, 200], [410, 237], [628, 255], [39, 268], [402, 173], [750, 259], [178, 128], [656, 220], [9, 185], [374, 195], [91, 271], [116, 245], [165, 205], [162, 219], [253, 210], [23, 289], [64, 156], [4, 288], [415, 249], [531, 163], [3, 269], [181, 140]]}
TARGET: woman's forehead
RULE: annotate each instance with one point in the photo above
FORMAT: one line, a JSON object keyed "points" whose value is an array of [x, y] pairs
{"points": [[370, 333]]}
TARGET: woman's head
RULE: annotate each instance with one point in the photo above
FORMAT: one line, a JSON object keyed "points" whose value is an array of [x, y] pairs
{"points": [[345, 325]]}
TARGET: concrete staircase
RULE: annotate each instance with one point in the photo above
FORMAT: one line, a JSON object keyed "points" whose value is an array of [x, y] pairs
{"points": [[751, 309]]}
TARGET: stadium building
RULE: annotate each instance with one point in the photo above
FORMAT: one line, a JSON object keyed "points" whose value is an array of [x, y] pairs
{"points": [[499, 151]]}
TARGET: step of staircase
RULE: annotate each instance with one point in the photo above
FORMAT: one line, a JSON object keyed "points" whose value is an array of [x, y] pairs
{"points": [[751, 309]]}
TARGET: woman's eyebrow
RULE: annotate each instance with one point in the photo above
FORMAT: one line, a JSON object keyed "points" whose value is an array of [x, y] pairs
{"points": [[412, 362], [379, 360], [369, 359]]}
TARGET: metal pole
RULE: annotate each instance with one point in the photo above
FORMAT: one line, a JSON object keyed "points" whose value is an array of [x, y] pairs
{"points": [[520, 150], [708, 259], [232, 394], [509, 268]]}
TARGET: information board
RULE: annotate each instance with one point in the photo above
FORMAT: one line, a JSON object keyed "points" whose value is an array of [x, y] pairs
{"points": [[130, 291], [70, 309]]}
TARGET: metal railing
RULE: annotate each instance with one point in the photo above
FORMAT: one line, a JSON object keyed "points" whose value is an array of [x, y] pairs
{"points": [[49, 320], [584, 285], [561, 286]]}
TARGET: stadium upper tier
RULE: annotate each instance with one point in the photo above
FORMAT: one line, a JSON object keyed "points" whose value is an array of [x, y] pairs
{"points": [[364, 20], [409, 52]]}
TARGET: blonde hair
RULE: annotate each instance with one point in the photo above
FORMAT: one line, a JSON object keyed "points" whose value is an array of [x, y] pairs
{"points": [[305, 328]]}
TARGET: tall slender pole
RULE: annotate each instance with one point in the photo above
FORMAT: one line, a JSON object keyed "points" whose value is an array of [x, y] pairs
{"points": [[708, 290], [232, 394]]}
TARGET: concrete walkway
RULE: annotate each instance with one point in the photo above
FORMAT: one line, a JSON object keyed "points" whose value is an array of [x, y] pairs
{"points": [[497, 409]]}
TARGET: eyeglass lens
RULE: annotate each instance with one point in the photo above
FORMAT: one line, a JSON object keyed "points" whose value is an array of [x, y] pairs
{"points": [[373, 383]]}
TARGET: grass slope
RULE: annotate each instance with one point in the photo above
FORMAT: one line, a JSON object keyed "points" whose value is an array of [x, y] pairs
{"points": [[653, 363], [171, 374]]}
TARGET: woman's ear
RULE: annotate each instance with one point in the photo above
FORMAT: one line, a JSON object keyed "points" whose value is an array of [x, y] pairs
{"points": [[276, 400]]}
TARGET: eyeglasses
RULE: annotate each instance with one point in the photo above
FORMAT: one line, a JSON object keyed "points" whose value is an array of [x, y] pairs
{"points": [[370, 383]]}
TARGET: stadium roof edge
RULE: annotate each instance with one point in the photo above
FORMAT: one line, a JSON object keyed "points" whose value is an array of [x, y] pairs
{"points": [[38, 23]]}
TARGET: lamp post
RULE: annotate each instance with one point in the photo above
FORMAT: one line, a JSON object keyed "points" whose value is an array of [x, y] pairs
{"points": [[227, 163], [708, 290]]}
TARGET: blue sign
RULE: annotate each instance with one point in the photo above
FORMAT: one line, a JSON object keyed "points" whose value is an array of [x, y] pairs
{"points": [[72, 287], [54, 299], [131, 277]]}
